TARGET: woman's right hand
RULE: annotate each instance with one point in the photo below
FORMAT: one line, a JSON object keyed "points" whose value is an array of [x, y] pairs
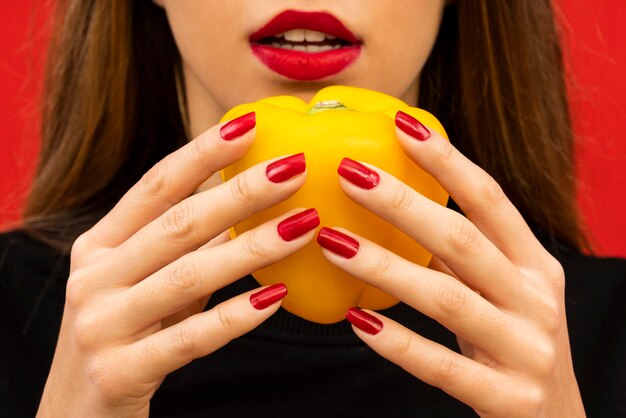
{"points": [[141, 276]]}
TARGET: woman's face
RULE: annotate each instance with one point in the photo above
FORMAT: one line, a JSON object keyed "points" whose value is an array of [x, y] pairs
{"points": [[221, 70]]}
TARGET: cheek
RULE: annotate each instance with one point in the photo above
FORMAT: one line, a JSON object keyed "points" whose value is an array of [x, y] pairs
{"points": [[403, 39], [210, 39]]}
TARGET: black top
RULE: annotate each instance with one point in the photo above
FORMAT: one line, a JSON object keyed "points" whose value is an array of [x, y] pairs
{"points": [[292, 367]]}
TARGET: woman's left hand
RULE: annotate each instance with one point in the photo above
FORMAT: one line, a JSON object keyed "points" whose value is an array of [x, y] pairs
{"points": [[490, 282]]}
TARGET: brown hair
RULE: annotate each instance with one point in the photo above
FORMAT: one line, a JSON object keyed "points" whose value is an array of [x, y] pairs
{"points": [[114, 89]]}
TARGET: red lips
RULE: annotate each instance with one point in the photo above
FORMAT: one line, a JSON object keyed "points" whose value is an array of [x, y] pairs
{"points": [[306, 65], [293, 19]]}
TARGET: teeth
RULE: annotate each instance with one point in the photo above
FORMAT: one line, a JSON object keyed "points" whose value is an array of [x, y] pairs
{"points": [[300, 35], [314, 36], [295, 35], [306, 48]]}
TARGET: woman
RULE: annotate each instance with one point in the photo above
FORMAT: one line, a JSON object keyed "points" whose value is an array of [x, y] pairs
{"points": [[123, 231]]}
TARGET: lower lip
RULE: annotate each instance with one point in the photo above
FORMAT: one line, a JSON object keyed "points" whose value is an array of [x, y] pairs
{"points": [[300, 65]]}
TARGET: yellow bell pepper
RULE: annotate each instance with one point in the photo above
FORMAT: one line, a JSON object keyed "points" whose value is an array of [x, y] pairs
{"points": [[338, 122]]}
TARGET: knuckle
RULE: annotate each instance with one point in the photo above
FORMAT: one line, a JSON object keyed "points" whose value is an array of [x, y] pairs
{"points": [[401, 198], [105, 383], [492, 192], [154, 181], [555, 273], [444, 152], [253, 248], [185, 340], [452, 298], [202, 146], [544, 358], [178, 220], [382, 266], [182, 277], [464, 237], [80, 248], [532, 400], [241, 189], [226, 319], [446, 370], [76, 290], [551, 316], [86, 333], [108, 383], [403, 345]]}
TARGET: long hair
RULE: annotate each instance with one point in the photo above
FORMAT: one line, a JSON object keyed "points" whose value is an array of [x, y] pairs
{"points": [[114, 105]]}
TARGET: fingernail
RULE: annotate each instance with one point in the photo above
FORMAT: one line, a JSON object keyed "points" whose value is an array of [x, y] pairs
{"points": [[411, 126], [238, 126], [364, 321], [268, 296], [358, 174], [337, 242], [286, 168], [298, 224]]}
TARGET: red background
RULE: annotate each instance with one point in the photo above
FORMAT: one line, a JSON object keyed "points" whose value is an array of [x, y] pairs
{"points": [[593, 30]]}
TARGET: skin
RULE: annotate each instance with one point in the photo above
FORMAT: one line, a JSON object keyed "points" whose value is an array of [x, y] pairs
{"points": [[515, 351]]}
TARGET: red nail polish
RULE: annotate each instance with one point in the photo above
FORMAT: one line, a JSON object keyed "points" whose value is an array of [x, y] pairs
{"points": [[286, 168], [411, 126], [364, 321], [238, 126], [337, 242], [268, 296], [298, 224], [358, 174]]}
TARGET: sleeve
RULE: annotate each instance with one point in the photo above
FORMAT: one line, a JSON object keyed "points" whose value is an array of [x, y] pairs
{"points": [[596, 315], [31, 306]]}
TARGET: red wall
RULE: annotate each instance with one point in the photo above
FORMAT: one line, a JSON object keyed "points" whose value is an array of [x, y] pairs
{"points": [[22, 43], [596, 36], [593, 29]]}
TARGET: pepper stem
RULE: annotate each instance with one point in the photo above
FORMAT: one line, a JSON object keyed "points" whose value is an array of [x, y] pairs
{"points": [[326, 105]]}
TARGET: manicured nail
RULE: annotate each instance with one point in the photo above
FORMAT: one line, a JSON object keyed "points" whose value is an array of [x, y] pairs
{"points": [[364, 321], [358, 174], [238, 126], [268, 296], [286, 168], [298, 224], [338, 242], [411, 126]]}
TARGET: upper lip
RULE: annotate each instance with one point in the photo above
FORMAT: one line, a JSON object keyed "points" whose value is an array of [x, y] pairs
{"points": [[293, 19]]}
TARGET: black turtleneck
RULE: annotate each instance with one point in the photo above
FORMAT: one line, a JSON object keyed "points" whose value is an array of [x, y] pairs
{"points": [[292, 367]]}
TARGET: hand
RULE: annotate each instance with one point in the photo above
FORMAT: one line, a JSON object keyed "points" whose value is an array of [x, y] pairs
{"points": [[491, 283], [140, 277]]}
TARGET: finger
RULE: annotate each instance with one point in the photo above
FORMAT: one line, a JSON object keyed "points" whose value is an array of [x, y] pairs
{"points": [[472, 383], [191, 309], [476, 192], [169, 349], [438, 265], [199, 305], [173, 179], [203, 216], [445, 233], [435, 294], [220, 239], [202, 272]]}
